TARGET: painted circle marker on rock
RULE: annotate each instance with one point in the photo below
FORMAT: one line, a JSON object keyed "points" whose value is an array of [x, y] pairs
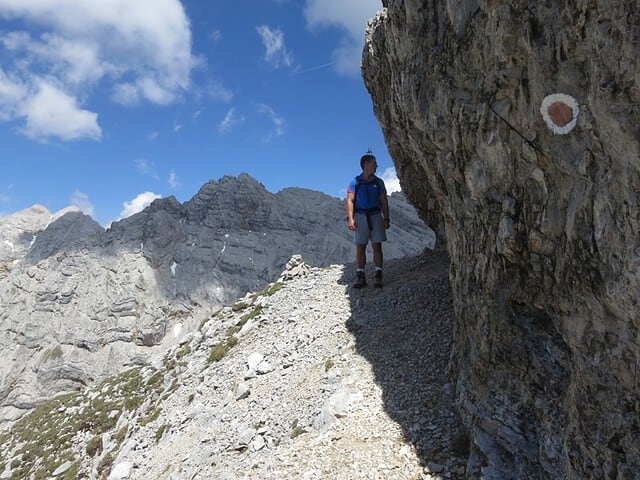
{"points": [[560, 112]]}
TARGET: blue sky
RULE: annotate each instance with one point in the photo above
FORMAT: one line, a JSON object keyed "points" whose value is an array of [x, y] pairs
{"points": [[108, 104]]}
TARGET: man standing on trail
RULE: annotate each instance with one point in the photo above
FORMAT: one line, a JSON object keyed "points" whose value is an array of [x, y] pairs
{"points": [[368, 216]]}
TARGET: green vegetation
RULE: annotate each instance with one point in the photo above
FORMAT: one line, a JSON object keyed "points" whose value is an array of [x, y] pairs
{"points": [[185, 350], [155, 380], [42, 440], [232, 330], [39, 434], [219, 351], [244, 319], [132, 403], [106, 413], [172, 388], [270, 290], [257, 310], [160, 431], [169, 363], [72, 473], [104, 467], [121, 434], [328, 365], [45, 439], [150, 417], [53, 354], [296, 430], [239, 306], [215, 314], [94, 446], [5, 268]]}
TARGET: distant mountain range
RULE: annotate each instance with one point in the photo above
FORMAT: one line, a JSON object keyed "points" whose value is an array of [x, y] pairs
{"points": [[78, 302]]}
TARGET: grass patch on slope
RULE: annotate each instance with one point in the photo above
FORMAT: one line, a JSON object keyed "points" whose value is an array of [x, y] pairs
{"points": [[41, 441]]}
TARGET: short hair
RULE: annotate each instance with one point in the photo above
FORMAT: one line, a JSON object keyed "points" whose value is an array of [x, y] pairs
{"points": [[367, 157]]}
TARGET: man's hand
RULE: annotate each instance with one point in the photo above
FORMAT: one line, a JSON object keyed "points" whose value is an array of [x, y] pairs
{"points": [[352, 224]]}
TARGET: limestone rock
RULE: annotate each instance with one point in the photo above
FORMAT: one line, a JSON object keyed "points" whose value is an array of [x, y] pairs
{"points": [[345, 398], [78, 303], [296, 267], [538, 201]]}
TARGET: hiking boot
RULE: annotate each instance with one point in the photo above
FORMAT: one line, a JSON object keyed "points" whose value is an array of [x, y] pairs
{"points": [[377, 279], [361, 280]]}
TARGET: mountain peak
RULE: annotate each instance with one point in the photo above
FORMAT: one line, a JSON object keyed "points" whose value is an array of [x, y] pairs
{"points": [[109, 298]]}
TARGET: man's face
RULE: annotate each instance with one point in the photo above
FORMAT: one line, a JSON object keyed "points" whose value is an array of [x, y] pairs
{"points": [[370, 167]]}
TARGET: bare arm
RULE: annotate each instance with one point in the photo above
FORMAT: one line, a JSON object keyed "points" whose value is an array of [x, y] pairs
{"points": [[351, 210], [384, 205]]}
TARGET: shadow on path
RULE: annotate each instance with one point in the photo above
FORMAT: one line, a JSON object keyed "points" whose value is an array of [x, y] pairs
{"points": [[404, 330]]}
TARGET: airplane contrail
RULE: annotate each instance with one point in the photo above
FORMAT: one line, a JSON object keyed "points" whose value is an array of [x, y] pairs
{"points": [[318, 67]]}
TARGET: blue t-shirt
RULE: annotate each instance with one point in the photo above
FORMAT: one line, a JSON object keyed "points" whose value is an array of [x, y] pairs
{"points": [[368, 194]]}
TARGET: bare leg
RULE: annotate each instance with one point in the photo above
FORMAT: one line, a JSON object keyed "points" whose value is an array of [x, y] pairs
{"points": [[361, 256], [377, 254]]}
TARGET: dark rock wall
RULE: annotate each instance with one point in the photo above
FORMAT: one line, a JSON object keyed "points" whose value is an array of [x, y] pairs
{"points": [[542, 228]]}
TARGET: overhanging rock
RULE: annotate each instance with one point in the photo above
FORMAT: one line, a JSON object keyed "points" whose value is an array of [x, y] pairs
{"points": [[514, 129]]}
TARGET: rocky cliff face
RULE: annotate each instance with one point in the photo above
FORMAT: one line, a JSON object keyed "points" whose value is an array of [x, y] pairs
{"points": [[78, 302], [515, 128]]}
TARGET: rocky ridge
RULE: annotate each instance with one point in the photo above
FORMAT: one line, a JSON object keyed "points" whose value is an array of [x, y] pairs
{"points": [[78, 303], [307, 378]]}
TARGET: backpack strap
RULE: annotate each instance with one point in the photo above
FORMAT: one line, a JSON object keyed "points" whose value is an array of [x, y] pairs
{"points": [[355, 193]]}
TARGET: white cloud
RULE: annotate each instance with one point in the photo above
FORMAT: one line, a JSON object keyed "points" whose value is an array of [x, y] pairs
{"points": [[146, 167], [351, 17], [50, 112], [140, 50], [215, 35], [12, 94], [173, 180], [391, 181], [137, 204], [143, 165], [81, 200], [230, 119], [125, 94], [347, 57], [276, 53], [219, 92], [277, 121], [70, 62]]}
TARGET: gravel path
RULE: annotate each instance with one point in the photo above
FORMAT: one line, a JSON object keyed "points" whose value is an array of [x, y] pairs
{"points": [[405, 334], [326, 382]]}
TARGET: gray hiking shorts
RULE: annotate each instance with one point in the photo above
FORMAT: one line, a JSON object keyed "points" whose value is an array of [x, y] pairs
{"points": [[373, 229]]}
